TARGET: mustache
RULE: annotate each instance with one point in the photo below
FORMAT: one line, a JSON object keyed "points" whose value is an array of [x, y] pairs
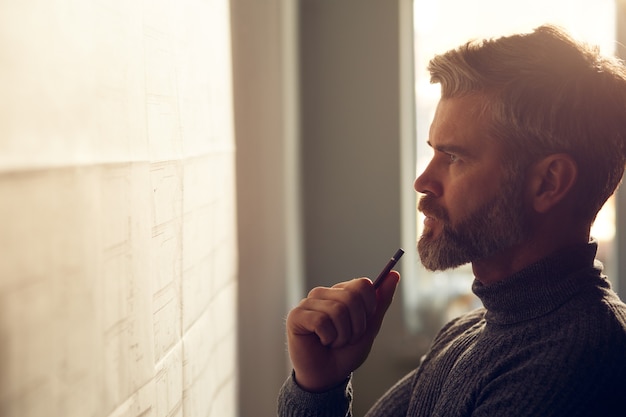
{"points": [[427, 205]]}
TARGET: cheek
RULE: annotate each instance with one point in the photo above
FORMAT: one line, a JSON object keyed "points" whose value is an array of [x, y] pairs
{"points": [[465, 199]]}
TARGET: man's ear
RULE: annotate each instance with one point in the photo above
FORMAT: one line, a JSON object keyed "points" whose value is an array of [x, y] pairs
{"points": [[551, 180]]}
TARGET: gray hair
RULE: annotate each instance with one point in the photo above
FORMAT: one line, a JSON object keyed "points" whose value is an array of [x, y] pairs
{"points": [[547, 93]]}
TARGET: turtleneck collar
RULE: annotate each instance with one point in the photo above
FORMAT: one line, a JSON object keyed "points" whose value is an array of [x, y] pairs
{"points": [[541, 287]]}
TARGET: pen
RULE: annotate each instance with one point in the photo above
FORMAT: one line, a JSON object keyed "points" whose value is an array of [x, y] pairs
{"points": [[392, 262]]}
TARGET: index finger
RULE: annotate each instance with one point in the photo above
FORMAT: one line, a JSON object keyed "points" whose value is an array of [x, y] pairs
{"points": [[364, 289]]}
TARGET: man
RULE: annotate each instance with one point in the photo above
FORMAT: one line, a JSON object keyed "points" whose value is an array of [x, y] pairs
{"points": [[529, 141]]}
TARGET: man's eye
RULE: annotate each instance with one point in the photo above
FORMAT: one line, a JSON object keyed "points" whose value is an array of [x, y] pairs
{"points": [[453, 157]]}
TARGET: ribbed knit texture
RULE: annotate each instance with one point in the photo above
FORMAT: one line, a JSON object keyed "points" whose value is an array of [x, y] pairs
{"points": [[551, 341]]}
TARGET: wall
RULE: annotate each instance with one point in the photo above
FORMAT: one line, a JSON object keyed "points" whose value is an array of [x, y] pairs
{"points": [[350, 137], [117, 232], [358, 160], [265, 60]]}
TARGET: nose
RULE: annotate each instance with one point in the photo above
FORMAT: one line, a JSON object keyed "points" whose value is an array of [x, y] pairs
{"points": [[426, 182]]}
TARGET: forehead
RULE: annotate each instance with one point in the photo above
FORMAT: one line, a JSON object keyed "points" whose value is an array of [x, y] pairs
{"points": [[462, 122]]}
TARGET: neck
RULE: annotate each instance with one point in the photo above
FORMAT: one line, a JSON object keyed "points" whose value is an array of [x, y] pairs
{"points": [[536, 247]]}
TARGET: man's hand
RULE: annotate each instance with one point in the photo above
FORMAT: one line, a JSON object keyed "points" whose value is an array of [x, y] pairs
{"points": [[330, 333]]}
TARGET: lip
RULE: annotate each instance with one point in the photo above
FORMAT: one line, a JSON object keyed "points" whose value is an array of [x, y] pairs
{"points": [[429, 221], [434, 215]]}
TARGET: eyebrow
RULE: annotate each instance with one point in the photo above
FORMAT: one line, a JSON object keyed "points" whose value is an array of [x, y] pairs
{"points": [[449, 148]]}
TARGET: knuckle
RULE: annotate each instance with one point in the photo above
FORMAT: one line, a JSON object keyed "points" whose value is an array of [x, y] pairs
{"points": [[317, 292], [363, 283], [338, 309], [321, 321]]}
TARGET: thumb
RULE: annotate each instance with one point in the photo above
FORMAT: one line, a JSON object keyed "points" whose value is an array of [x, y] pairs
{"points": [[384, 297]]}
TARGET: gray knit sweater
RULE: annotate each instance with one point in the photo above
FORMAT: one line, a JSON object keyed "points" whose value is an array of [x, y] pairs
{"points": [[550, 341]]}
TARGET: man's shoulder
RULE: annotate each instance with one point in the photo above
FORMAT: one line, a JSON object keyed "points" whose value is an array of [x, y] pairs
{"points": [[589, 332], [472, 319], [600, 315]]}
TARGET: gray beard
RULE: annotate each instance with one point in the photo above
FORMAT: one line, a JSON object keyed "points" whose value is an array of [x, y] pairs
{"points": [[497, 225]]}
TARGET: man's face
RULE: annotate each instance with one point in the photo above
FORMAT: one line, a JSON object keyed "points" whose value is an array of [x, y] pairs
{"points": [[472, 210]]}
